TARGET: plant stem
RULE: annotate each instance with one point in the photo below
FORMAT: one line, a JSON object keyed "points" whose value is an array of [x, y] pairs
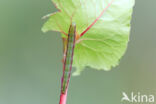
{"points": [[63, 98], [67, 62]]}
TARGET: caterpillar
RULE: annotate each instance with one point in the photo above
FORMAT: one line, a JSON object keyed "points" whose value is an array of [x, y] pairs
{"points": [[68, 59]]}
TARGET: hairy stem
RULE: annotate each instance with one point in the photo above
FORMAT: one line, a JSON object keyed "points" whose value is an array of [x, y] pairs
{"points": [[67, 62]]}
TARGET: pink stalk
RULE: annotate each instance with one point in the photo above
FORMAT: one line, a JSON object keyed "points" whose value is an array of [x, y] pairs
{"points": [[63, 98]]}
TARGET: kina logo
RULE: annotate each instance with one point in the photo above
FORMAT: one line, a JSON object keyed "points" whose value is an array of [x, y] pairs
{"points": [[138, 98]]}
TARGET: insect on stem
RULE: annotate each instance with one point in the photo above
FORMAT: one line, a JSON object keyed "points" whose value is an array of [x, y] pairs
{"points": [[68, 60]]}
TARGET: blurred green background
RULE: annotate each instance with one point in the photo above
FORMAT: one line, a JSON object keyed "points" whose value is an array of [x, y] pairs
{"points": [[30, 61]]}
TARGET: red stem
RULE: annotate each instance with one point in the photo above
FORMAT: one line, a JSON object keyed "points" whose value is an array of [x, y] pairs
{"points": [[96, 19], [63, 98]]}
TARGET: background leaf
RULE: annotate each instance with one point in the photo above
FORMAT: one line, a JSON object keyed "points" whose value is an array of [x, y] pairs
{"points": [[105, 43]]}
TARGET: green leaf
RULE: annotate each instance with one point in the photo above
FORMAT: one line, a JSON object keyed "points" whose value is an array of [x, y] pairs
{"points": [[102, 46]]}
